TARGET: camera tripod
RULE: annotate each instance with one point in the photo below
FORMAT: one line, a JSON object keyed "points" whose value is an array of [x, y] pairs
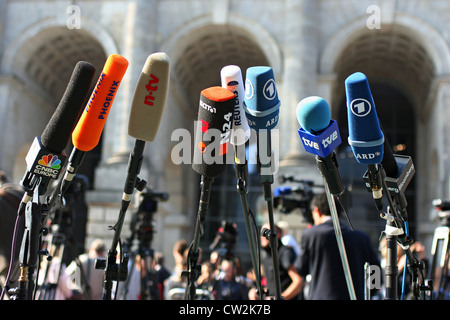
{"points": [[142, 228], [439, 271], [67, 216]]}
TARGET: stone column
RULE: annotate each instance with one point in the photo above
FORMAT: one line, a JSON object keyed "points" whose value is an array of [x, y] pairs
{"points": [[138, 43], [300, 69], [299, 78]]}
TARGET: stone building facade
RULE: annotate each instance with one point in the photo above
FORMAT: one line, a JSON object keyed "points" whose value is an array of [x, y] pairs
{"points": [[312, 45]]}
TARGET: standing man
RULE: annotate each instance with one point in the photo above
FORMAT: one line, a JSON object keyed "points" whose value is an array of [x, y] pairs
{"points": [[320, 256]]}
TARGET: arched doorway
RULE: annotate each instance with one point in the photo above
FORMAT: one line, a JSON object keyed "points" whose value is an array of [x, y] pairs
{"points": [[42, 67], [396, 114], [202, 53], [400, 74], [45, 63]]}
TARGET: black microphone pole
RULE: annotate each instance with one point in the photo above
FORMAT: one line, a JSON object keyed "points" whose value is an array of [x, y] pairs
{"points": [[252, 233], [193, 253], [29, 251], [214, 118], [231, 78], [114, 271], [266, 179]]}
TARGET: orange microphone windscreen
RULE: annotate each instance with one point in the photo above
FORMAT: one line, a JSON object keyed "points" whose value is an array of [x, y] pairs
{"points": [[89, 128]]}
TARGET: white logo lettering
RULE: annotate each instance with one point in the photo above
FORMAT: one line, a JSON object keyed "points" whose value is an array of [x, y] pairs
{"points": [[360, 107], [367, 156], [328, 140], [269, 90], [310, 143]]}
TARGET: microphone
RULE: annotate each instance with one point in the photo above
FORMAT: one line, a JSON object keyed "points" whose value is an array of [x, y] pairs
{"points": [[45, 160], [320, 136], [145, 116], [213, 131], [365, 136], [146, 112], [261, 105], [46, 156], [369, 145], [88, 130], [231, 79], [212, 137], [149, 98]]}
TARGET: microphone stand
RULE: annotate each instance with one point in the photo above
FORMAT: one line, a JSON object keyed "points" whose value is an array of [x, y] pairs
{"points": [[193, 254], [340, 243], [29, 251], [267, 181], [395, 233], [242, 180], [113, 271]]}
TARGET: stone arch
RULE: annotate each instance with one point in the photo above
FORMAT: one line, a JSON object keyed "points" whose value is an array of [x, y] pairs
{"points": [[198, 51], [41, 60], [219, 45], [432, 40], [404, 58], [13, 60]]}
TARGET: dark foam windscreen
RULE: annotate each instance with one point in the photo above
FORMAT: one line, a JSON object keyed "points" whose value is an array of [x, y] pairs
{"points": [[57, 133], [213, 131], [365, 136], [149, 98]]}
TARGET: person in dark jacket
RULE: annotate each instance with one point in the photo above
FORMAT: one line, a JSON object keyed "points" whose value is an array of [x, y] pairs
{"points": [[320, 258]]}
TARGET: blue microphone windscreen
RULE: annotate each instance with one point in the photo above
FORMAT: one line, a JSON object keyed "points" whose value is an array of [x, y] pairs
{"points": [[261, 103], [313, 114], [365, 136], [318, 133]]}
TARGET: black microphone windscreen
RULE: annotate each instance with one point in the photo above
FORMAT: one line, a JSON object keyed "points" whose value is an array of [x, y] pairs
{"points": [[213, 132], [57, 133]]}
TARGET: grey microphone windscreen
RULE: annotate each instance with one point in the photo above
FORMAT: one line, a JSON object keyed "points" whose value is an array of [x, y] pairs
{"points": [[149, 98]]}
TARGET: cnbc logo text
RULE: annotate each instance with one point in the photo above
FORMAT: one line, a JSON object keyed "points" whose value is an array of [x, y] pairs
{"points": [[49, 166]]}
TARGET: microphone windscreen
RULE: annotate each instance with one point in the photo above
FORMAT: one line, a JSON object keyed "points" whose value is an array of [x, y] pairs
{"points": [[313, 114], [212, 135], [89, 128], [261, 103], [231, 79], [149, 98], [365, 136], [57, 133]]}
